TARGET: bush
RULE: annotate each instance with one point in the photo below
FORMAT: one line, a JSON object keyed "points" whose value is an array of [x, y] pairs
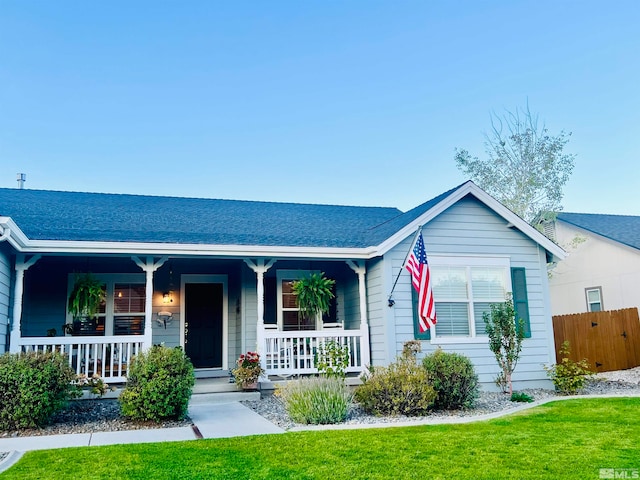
{"points": [[33, 387], [506, 333], [521, 397], [569, 377], [402, 388], [332, 359], [453, 378], [316, 400], [159, 384]]}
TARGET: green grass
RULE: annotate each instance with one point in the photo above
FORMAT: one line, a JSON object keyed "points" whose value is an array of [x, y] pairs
{"points": [[570, 439]]}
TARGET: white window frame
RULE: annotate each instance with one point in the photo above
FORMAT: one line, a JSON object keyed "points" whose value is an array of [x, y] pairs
{"points": [[467, 262], [292, 275], [589, 303], [110, 280]]}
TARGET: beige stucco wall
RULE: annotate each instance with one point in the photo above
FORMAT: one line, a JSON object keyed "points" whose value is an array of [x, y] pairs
{"points": [[593, 261]]}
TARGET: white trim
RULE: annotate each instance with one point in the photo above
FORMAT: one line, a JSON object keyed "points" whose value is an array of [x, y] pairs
{"points": [[202, 250], [23, 244], [110, 279], [590, 303], [468, 262], [203, 278], [291, 275], [467, 188]]}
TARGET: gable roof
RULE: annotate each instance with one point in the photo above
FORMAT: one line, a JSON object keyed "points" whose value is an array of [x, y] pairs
{"points": [[74, 216], [623, 229], [65, 222]]}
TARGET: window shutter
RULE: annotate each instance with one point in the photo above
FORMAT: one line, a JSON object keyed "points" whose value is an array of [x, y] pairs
{"points": [[520, 298], [416, 325]]}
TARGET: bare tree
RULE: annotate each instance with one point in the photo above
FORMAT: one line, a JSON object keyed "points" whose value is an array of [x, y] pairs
{"points": [[525, 168]]}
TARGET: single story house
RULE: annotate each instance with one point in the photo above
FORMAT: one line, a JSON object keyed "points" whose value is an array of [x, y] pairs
{"points": [[214, 277], [602, 269]]}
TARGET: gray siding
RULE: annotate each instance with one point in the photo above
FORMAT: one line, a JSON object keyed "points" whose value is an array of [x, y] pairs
{"points": [[44, 302], [5, 298], [471, 228], [349, 304], [380, 335]]}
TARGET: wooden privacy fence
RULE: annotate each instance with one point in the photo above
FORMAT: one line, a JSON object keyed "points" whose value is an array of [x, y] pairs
{"points": [[608, 340]]}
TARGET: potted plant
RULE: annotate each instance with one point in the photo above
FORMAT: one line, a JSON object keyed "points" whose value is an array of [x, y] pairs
{"points": [[248, 371], [313, 295], [84, 303]]}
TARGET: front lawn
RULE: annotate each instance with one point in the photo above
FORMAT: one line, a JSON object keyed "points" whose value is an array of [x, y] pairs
{"points": [[570, 439]]}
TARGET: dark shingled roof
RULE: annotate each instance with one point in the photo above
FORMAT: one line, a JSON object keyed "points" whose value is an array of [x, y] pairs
{"points": [[54, 215], [620, 228]]}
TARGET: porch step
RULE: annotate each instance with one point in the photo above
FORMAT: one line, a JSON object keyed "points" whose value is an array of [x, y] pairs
{"points": [[219, 390], [214, 385], [223, 397]]}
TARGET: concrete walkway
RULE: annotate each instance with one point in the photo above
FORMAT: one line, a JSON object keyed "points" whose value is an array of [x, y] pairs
{"points": [[211, 420]]}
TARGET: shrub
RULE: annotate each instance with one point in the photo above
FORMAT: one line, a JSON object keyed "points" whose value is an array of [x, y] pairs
{"points": [[332, 359], [33, 387], [402, 388], [505, 339], [521, 397], [94, 384], [569, 377], [316, 400], [453, 378], [159, 384]]}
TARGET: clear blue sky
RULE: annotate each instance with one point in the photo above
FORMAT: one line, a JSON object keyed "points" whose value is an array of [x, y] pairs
{"points": [[346, 102]]}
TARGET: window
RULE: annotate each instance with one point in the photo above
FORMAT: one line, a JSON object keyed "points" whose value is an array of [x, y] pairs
{"points": [[123, 311], [464, 289], [288, 312], [594, 299], [128, 309]]}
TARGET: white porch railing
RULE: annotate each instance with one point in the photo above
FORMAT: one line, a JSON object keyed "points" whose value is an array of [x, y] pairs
{"points": [[106, 356], [294, 353]]}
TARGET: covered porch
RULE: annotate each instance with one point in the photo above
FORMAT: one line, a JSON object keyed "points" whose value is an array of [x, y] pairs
{"points": [[242, 311]]}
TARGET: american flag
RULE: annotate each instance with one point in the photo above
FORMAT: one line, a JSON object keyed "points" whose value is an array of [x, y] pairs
{"points": [[421, 280]]}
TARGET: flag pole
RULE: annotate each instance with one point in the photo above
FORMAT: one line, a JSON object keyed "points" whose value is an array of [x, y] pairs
{"points": [[390, 300]]}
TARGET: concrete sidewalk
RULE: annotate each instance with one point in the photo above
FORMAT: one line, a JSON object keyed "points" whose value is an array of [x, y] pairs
{"points": [[211, 420]]}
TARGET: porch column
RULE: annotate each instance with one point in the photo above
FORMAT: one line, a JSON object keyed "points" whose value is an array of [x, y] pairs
{"points": [[149, 268], [361, 270], [18, 292], [260, 268]]}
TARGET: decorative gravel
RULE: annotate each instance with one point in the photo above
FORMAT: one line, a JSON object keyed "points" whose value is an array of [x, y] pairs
{"points": [[627, 381], [89, 416]]}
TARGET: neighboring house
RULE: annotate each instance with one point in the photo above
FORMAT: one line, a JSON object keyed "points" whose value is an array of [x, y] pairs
{"points": [[602, 269], [214, 277]]}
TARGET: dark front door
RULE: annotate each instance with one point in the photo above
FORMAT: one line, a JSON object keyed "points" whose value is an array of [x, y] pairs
{"points": [[203, 312]]}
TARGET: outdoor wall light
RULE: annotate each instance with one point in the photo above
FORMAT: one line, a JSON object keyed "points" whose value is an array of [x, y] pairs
{"points": [[164, 318], [167, 298]]}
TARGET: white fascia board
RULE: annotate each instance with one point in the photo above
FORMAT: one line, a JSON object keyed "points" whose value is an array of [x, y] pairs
{"points": [[241, 251], [518, 222], [465, 189], [16, 238], [422, 220]]}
